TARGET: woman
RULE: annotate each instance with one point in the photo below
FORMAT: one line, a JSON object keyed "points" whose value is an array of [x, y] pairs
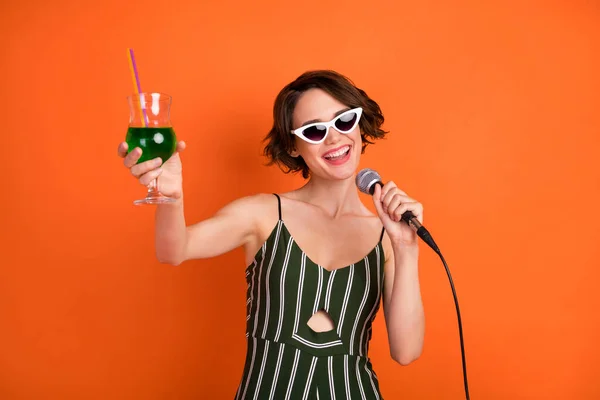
{"points": [[318, 260]]}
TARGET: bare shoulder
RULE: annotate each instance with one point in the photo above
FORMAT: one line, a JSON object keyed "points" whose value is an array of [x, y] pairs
{"points": [[251, 204], [261, 208]]}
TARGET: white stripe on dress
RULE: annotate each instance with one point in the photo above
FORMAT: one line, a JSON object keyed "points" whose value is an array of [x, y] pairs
{"points": [[264, 247], [262, 370], [330, 370], [318, 295], [316, 345], [362, 351], [282, 288], [372, 383], [345, 303], [362, 304], [328, 292], [310, 377], [300, 288], [251, 297], [277, 369], [267, 278], [237, 395], [346, 378], [293, 375], [251, 367], [359, 379]]}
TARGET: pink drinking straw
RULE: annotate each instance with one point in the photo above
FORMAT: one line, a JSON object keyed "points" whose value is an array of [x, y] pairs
{"points": [[136, 85]]}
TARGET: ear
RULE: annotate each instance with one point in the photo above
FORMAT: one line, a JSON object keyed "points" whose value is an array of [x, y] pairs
{"points": [[294, 153]]}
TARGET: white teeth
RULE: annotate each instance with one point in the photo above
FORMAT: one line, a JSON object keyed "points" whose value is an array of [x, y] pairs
{"points": [[338, 153]]}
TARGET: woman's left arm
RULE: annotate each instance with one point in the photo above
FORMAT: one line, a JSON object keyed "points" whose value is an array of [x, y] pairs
{"points": [[403, 307]]}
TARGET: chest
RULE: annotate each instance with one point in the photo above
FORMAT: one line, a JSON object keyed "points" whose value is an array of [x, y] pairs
{"points": [[334, 244]]}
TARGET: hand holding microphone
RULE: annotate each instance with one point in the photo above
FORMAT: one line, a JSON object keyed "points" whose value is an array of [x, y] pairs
{"points": [[393, 205]]}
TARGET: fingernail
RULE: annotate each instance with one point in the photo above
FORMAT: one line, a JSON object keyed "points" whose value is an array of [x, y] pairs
{"points": [[157, 161]]}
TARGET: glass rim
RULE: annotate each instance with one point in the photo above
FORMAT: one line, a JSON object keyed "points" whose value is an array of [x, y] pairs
{"points": [[162, 96]]}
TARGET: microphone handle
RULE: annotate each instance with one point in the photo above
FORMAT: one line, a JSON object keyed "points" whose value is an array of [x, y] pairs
{"points": [[422, 232]]}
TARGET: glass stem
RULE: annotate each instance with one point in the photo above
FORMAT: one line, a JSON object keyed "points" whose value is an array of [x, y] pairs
{"points": [[153, 188]]}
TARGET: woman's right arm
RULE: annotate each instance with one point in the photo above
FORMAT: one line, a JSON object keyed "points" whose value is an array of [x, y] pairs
{"points": [[232, 226]]}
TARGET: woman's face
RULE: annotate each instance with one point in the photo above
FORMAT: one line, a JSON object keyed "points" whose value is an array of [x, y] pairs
{"points": [[337, 157]]}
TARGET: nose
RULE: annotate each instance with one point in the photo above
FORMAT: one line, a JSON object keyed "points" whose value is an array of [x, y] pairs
{"points": [[333, 136]]}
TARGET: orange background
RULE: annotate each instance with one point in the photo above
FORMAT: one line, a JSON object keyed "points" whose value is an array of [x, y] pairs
{"points": [[493, 108]]}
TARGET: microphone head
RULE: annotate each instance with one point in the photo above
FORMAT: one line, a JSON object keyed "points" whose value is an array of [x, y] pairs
{"points": [[366, 180]]}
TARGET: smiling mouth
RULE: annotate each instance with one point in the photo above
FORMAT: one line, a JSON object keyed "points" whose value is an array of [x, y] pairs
{"points": [[338, 154]]}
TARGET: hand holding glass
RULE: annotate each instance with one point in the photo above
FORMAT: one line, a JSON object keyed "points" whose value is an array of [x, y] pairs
{"points": [[150, 129]]}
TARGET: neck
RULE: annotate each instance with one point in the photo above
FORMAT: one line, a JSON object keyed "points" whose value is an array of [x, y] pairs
{"points": [[336, 198]]}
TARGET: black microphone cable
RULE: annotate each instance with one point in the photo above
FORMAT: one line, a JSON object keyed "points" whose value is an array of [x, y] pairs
{"points": [[366, 181]]}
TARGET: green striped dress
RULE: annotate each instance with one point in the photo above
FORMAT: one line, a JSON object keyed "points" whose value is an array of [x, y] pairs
{"points": [[286, 359]]}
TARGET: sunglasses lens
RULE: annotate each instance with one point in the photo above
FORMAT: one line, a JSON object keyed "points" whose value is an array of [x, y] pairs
{"points": [[346, 122], [315, 132]]}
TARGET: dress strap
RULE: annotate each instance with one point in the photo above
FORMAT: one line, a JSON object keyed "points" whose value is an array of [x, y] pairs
{"points": [[382, 232], [278, 204]]}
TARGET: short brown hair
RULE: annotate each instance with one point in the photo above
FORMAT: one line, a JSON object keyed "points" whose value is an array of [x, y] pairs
{"points": [[280, 141]]}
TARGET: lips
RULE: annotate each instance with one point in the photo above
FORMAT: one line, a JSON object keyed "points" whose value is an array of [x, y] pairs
{"points": [[337, 152], [338, 156]]}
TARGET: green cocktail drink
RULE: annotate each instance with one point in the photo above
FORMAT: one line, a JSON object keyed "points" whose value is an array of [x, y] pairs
{"points": [[154, 142]]}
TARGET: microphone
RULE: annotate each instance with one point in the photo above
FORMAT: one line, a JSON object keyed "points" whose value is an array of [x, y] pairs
{"points": [[366, 181]]}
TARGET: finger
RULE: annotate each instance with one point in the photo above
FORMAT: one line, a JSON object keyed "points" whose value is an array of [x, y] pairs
{"points": [[377, 192], [392, 186], [148, 177], [377, 200], [387, 197], [389, 186], [415, 208], [394, 191], [180, 146], [132, 158], [140, 169], [122, 149], [395, 197], [392, 203]]}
